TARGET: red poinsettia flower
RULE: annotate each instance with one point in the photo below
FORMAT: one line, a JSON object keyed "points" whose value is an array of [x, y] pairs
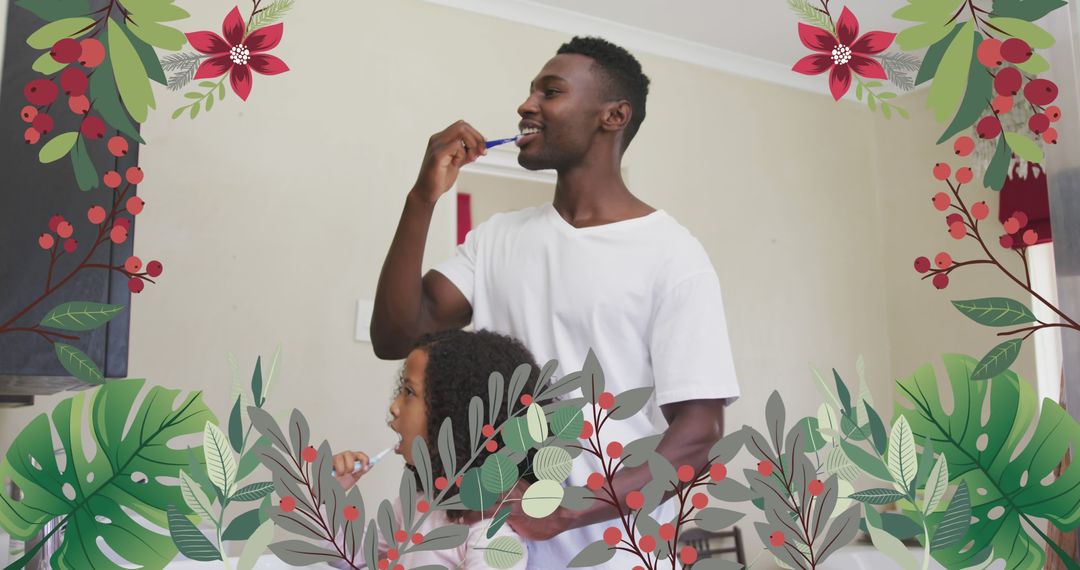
{"points": [[238, 54], [842, 53]]}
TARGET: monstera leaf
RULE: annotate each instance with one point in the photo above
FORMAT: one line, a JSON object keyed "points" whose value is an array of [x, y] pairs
{"points": [[1005, 478], [86, 494]]}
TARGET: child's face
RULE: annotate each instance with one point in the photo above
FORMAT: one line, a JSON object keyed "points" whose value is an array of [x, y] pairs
{"points": [[408, 411]]}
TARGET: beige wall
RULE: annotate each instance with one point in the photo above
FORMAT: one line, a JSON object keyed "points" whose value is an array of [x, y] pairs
{"points": [[272, 217]]}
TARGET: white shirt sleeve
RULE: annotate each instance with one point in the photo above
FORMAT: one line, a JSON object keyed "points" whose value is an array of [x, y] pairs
{"points": [[461, 269], [689, 343]]}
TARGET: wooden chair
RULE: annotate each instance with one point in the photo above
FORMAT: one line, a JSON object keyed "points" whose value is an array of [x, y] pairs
{"points": [[708, 544]]}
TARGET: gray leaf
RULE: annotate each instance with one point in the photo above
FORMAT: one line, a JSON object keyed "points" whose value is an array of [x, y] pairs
{"points": [[775, 417], [630, 402], [476, 421], [496, 385], [443, 538], [639, 451], [299, 434], [300, 553], [447, 450], [593, 381], [715, 519], [577, 498], [594, 554], [841, 531]]}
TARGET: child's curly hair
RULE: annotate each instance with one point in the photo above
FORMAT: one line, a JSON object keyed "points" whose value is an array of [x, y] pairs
{"points": [[459, 365]]}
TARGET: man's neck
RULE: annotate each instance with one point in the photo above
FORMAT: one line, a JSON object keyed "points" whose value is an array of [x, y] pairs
{"points": [[594, 194]]}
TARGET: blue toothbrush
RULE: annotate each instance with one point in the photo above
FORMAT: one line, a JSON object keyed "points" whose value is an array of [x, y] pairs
{"points": [[358, 465], [498, 142]]}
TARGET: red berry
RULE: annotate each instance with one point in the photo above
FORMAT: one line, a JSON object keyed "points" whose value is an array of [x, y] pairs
{"points": [[688, 555], [133, 265], [667, 532], [384, 564], [309, 454], [66, 50], [635, 500], [1038, 123], [441, 483], [1031, 237], [31, 136], [606, 400], [612, 536], [64, 229], [118, 234], [417, 538], [526, 400], [93, 52], [43, 123], [1012, 225], [112, 179], [1021, 218], [595, 481], [700, 501], [399, 567], [964, 175], [134, 175], [46, 241], [1041, 92], [74, 82], [816, 487], [79, 105], [941, 281], [118, 146], [54, 221], [287, 504], [40, 92], [1050, 136], [958, 230], [989, 127], [989, 52], [614, 450], [488, 430], [93, 128], [943, 260], [1006, 241], [422, 506], [1008, 81], [1015, 50], [980, 210], [1002, 104], [718, 472], [942, 171], [458, 481], [964, 146], [765, 468], [586, 430], [28, 113], [401, 535], [1053, 112], [686, 473], [647, 543], [492, 445], [134, 205], [942, 200], [123, 222], [392, 554], [952, 219], [96, 215], [135, 285], [922, 264], [351, 513], [776, 539]]}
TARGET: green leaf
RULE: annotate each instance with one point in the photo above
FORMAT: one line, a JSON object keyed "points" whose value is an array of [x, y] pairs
{"points": [[956, 522], [107, 101], [209, 100], [566, 423], [147, 56], [46, 65], [221, 90], [256, 545], [991, 459], [242, 526], [887, 543], [193, 95], [250, 459], [877, 430], [195, 498], [257, 383], [1024, 147], [936, 485], [207, 84], [50, 33], [498, 473], [1033, 34], [951, 79], [1029, 10], [878, 496], [236, 428], [863, 460], [195, 109], [842, 393], [1036, 65], [995, 311], [536, 421], [131, 78], [85, 173], [903, 112], [630, 402], [886, 110], [253, 492], [871, 101], [979, 90], [998, 359], [922, 35], [58, 147], [515, 435], [542, 498], [902, 458], [155, 34], [814, 439], [504, 552], [473, 494], [999, 166], [553, 464], [189, 540], [858, 90], [103, 485], [498, 521], [78, 364], [220, 463], [594, 554], [933, 56], [928, 10], [80, 316], [52, 10]]}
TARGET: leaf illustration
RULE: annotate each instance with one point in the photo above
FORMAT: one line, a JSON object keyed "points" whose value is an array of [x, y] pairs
{"points": [[220, 463], [188, 539], [78, 363]]}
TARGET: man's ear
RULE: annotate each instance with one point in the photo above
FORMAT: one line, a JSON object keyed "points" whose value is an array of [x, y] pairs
{"points": [[616, 115]]}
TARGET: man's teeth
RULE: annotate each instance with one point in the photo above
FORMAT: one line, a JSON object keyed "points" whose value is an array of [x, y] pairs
{"points": [[529, 131]]}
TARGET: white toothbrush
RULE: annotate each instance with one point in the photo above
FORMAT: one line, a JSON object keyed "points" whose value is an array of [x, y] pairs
{"points": [[371, 463]]}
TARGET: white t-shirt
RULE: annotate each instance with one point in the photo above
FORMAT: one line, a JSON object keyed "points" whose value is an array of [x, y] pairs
{"points": [[641, 293]]}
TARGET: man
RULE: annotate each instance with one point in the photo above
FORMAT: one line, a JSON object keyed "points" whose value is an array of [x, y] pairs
{"points": [[598, 268]]}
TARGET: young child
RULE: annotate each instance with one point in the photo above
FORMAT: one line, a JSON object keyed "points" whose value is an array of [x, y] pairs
{"points": [[440, 376]]}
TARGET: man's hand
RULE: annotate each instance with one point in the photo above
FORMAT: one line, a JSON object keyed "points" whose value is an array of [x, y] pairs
{"points": [[447, 151], [528, 527]]}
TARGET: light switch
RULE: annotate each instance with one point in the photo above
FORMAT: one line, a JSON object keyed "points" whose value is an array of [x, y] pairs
{"points": [[364, 308]]}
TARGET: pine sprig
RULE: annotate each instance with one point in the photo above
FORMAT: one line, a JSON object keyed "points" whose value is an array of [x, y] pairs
{"points": [[810, 14], [899, 67], [270, 14], [183, 65]]}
